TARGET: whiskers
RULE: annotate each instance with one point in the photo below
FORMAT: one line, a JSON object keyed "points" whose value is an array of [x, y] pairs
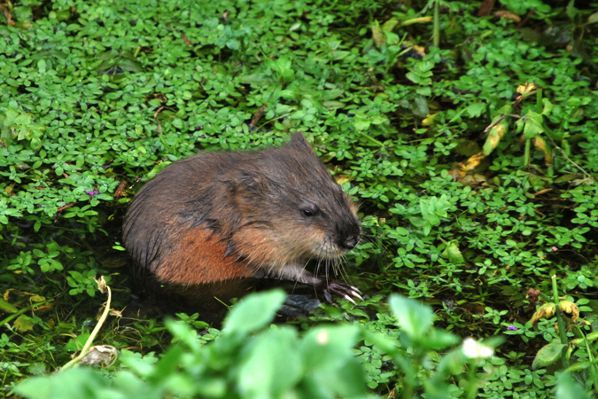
{"points": [[333, 266]]}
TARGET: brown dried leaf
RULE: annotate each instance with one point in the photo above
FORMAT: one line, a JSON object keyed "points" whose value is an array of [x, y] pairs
{"points": [[485, 8], [504, 14], [101, 283], [473, 180], [120, 190], [257, 116], [185, 39], [532, 295], [7, 11]]}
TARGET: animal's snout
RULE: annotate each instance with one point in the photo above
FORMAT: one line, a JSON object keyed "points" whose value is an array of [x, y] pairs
{"points": [[348, 236], [350, 242]]}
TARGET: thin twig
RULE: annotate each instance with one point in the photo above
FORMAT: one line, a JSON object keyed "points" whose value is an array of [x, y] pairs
{"points": [[102, 287]]}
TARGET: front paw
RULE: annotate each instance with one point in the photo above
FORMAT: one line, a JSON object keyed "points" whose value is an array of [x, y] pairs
{"points": [[345, 291]]}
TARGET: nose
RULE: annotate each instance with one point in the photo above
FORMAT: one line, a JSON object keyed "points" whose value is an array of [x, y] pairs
{"points": [[350, 242]]}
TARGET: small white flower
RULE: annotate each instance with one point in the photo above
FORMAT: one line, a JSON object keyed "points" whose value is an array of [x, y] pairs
{"points": [[475, 350], [322, 337]]}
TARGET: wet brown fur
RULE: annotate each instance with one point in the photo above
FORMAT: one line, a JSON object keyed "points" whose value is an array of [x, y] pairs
{"points": [[232, 215], [199, 257]]}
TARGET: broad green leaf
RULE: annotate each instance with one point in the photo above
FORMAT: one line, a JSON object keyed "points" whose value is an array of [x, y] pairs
{"points": [[533, 124], [548, 354], [183, 333], [253, 312], [453, 253], [344, 382], [270, 365], [23, 323], [141, 365], [7, 307], [328, 347], [328, 358], [383, 342], [476, 109], [131, 386], [439, 339], [413, 317], [361, 123], [74, 383], [568, 388]]}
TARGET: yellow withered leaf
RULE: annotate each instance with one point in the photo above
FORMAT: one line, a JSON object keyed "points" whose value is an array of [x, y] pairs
{"points": [[541, 145], [420, 50], [472, 162], [418, 20], [342, 179], [545, 311], [429, 120], [569, 308], [496, 133], [526, 89]]}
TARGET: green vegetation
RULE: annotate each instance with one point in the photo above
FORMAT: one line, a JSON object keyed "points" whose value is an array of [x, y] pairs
{"points": [[473, 162]]}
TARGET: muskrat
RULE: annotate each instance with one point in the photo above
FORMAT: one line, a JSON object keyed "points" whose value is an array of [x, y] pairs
{"points": [[225, 216]]}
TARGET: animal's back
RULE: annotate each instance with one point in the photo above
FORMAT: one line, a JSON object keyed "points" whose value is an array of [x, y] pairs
{"points": [[168, 228]]}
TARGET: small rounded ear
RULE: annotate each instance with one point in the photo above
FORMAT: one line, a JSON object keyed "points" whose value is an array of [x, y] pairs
{"points": [[249, 182], [298, 141]]}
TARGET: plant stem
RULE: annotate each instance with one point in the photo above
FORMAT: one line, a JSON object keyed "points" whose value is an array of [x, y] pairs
{"points": [[560, 321], [436, 28], [472, 386], [13, 316], [410, 376], [373, 140], [526, 153]]}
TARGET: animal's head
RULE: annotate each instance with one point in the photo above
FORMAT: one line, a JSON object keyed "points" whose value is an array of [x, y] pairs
{"points": [[290, 202]]}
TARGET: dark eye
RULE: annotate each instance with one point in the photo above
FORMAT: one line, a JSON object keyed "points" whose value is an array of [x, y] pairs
{"points": [[310, 210]]}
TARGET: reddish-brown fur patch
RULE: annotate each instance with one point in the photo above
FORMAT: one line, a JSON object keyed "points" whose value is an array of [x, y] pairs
{"points": [[199, 258]]}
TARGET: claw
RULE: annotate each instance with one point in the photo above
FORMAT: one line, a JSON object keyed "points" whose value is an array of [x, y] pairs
{"points": [[348, 292], [356, 293], [348, 298], [354, 288]]}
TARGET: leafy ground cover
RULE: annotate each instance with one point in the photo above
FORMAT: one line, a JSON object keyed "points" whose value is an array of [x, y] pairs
{"points": [[473, 161]]}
